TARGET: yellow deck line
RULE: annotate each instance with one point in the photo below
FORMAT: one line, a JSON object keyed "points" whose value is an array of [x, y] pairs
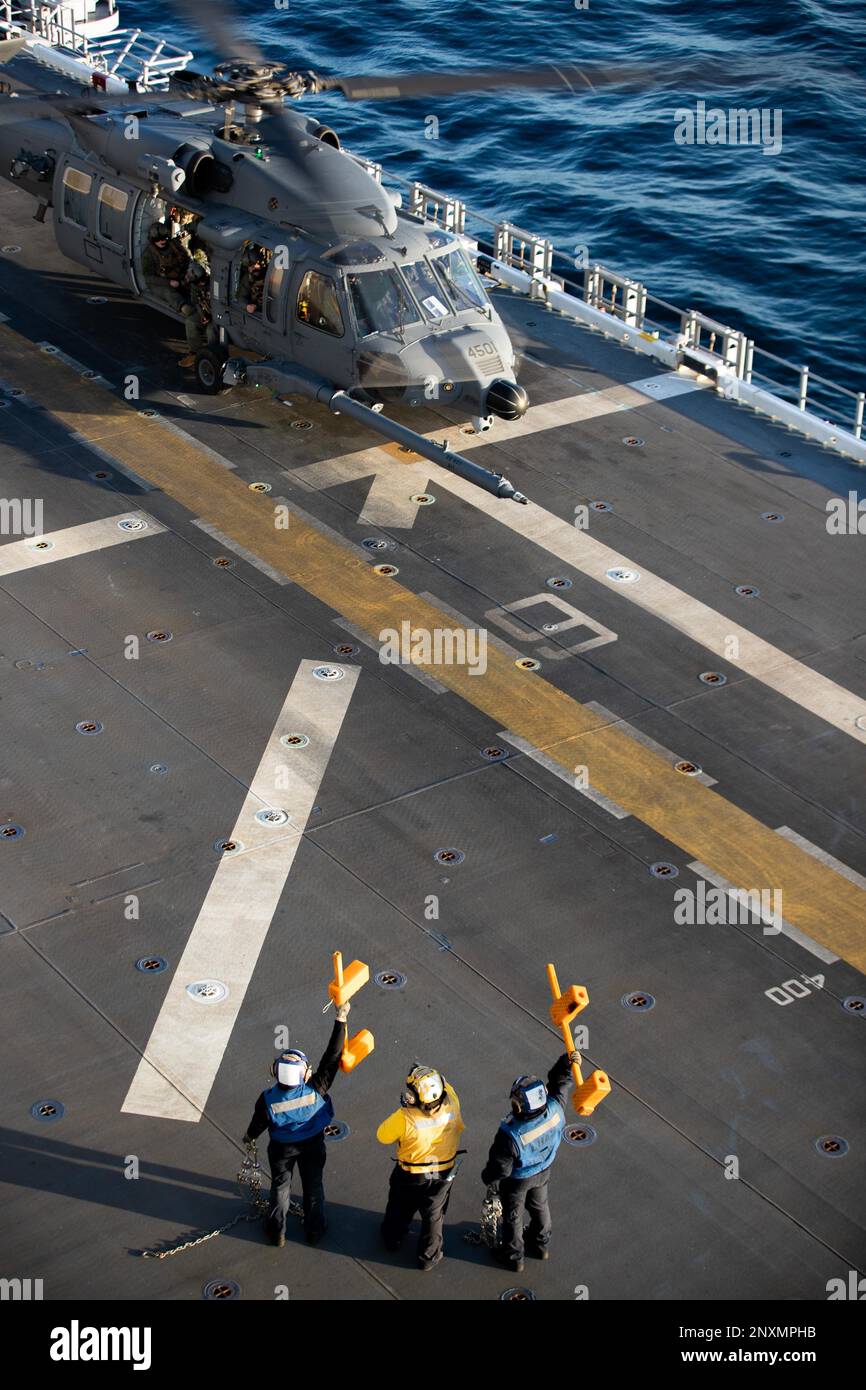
{"points": [[698, 819]]}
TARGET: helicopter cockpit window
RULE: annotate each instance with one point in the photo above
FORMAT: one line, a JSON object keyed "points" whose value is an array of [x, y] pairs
{"points": [[427, 290], [380, 302], [355, 253], [76, 191], [461, 280], [318, 304], [112, 207]]}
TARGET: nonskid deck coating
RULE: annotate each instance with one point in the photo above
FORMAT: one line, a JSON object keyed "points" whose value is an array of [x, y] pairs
{"points": [[716, 1069]]}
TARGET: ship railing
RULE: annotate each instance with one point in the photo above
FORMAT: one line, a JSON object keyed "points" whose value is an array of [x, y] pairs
{"points": [[56, 24], [129, 54], [137, 56], [622, 308]]}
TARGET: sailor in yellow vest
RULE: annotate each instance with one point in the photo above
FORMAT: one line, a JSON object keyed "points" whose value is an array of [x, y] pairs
{"points": [[426, 1130]]}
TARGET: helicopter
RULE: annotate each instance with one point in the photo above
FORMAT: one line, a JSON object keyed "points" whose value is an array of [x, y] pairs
{"points": [[318, 282]]}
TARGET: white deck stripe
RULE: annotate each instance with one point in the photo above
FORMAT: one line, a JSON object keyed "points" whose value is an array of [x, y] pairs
{"points": [[74, 540], [186, 1046], [389, 501], [786, 928], [709, 629]]}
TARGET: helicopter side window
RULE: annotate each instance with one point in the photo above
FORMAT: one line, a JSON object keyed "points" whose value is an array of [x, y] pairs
{"points": [[380, 302], [251, 278], [76, 191], [461, 280], [427, 290], [112, 207], [318, 304]]}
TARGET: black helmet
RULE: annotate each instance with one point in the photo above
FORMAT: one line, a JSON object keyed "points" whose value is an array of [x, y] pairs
{"points": [[528, 1096], [160, 232]]}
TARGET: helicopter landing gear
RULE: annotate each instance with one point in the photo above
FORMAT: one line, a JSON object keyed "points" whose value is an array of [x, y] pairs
{"points": [[209, 370]]}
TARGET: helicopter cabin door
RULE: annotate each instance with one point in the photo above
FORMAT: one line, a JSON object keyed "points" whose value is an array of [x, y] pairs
{"points": [[93, 219], [320, 327]]}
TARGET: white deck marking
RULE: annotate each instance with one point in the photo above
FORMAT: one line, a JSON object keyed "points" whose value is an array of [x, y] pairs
{"points": [[16, 556], [389, 501], [786, 928], [576, 548], [186, 1046]]}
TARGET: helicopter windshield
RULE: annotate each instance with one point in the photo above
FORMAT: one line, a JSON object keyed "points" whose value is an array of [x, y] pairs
{"points": [[380, 302], [427, 290], [460, 278]]}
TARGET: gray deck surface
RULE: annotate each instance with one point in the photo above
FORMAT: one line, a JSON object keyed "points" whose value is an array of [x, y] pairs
{"points": [[715, 1069]]}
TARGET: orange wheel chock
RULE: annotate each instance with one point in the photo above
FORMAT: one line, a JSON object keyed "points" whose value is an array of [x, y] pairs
{"points": [[347, 982], [565, 1007], [357, 1049]]}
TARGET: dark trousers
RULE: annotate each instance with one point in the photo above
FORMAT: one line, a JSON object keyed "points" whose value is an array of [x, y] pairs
{"points": [[310, 1156], [411, 1195], [530, 1195]]}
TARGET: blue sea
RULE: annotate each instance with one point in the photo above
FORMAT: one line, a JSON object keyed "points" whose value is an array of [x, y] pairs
{"points": [[769, 242]]}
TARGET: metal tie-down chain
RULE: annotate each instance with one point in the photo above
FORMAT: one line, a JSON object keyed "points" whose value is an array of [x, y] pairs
{"points": [[249, 1176], [491, 1219]]}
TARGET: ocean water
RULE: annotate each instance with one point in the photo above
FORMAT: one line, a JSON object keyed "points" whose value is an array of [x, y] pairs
{"points": [[771, 242]]}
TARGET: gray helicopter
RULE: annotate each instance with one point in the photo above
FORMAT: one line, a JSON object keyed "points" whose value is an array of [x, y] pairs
{"points": [[218, 202]]}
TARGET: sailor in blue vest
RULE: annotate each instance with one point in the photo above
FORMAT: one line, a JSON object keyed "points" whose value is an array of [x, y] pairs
{"points": [[295, 1111], [521, 1157]]}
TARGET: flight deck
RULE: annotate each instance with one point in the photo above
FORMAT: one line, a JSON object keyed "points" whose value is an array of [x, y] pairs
{"points": [[211, 781]]}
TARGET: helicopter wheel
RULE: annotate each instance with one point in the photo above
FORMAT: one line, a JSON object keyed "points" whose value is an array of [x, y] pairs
{"points": [[209, 371]]}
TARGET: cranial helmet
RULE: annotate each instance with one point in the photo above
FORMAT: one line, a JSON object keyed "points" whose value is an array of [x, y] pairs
{"points": [[528, 1096], [292, 1068], [425, 1088], [160, 232]]}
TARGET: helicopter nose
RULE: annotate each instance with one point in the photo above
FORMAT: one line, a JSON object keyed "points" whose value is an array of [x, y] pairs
{"points": [[507, 400]]}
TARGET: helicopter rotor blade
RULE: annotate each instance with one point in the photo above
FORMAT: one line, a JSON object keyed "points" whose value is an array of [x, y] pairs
{"points": [[393, 86], [220, 26], [580, 80]]}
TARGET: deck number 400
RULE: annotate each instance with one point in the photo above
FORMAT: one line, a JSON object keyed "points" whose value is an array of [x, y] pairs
{"points": [[794, 989]]}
